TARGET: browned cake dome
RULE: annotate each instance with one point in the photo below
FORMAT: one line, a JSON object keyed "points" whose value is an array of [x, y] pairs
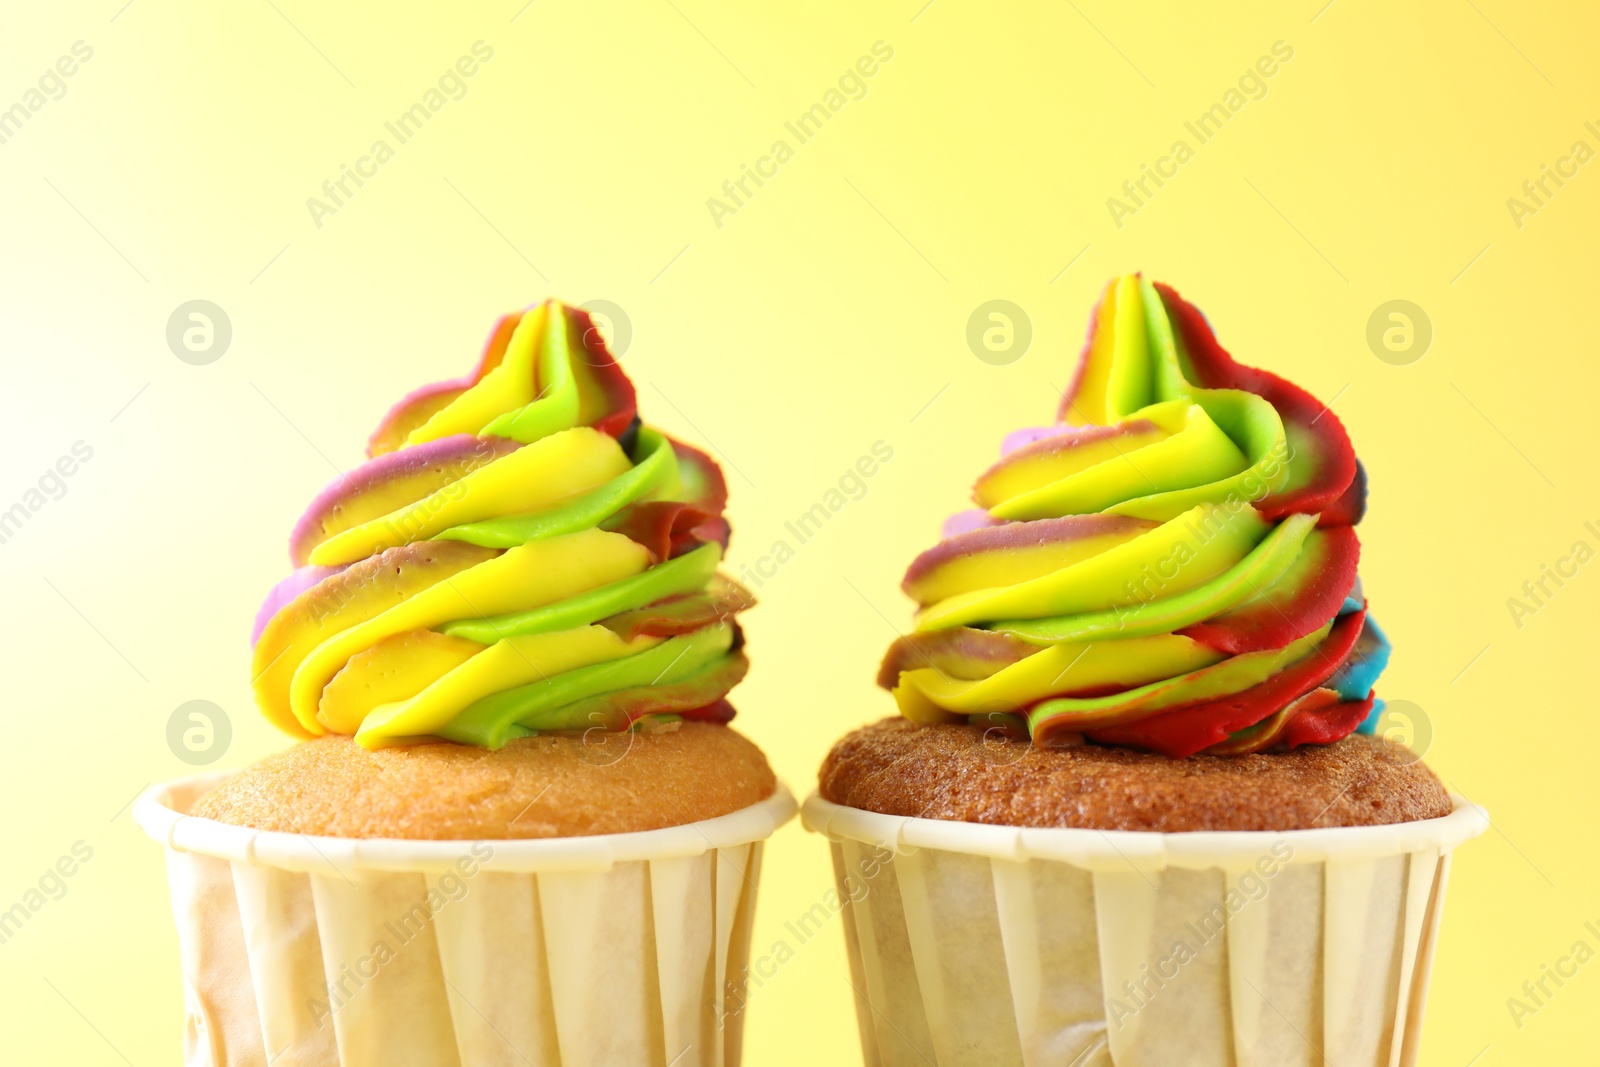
{"points": [[956, 772], [605, 783]]}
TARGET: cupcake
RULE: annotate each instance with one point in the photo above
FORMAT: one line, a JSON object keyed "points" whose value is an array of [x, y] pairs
{"points": [[516, 826], [1134, 810]]}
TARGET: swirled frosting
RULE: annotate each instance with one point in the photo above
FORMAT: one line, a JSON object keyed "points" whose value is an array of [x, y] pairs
{"points": [[1170, 566], [520, 554]]}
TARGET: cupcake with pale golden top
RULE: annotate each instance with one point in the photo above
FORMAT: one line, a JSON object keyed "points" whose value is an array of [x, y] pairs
{"points": [[517, 826], [1135, 809]]}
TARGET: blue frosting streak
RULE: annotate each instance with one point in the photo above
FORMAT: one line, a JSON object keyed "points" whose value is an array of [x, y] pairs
{"points": [[1356, 677]]}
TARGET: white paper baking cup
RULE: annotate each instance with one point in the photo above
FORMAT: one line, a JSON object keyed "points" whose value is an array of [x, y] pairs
{"points": [[314, 951], [976, 945]]}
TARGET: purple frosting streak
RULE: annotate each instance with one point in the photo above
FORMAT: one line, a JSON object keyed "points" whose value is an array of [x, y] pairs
{"points": [[1019, 535], [1023, 445], [1048, 440], [1019, 438], [389, 467], [964, 521], [961, 652], [296, 583], [450, 385], [421, 392]]}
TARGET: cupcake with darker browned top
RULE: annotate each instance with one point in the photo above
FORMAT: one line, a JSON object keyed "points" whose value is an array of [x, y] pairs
{"points": [[1149, 633], [1168, 570]]}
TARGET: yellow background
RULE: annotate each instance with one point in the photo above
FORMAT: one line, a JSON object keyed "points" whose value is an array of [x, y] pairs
{"points": [[827, 314]]}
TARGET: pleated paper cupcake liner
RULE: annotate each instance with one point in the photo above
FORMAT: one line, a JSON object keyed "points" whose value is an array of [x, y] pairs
{"points": [[303, 951], [986, 945]]}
